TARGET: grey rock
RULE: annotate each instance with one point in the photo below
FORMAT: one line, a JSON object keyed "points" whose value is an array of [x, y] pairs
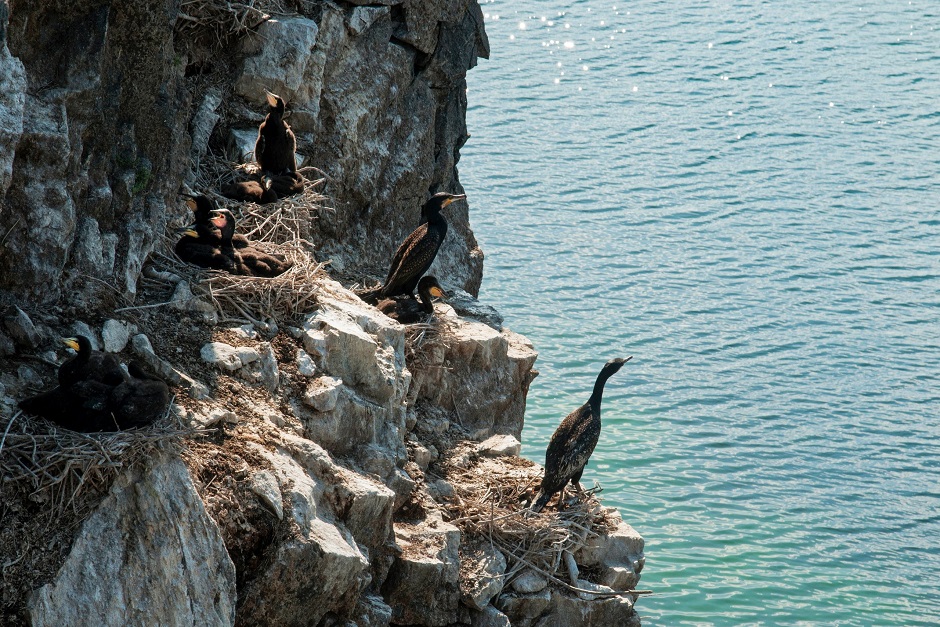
{"points": [[529, 581], [28, 377], [371, 611], [222, 355], [149, 554], [22, 330], [619, 578], [489, 617], [162, 368], [305, 365], [422, 586], [184, 300], [264, 484], [115, 335], [12, 101], [202, 124], [421, 455], [240, 146], [485, 579], [323, 393], [270, 375], [469, 307], [7, 347], [441, 490], [500, 446]]}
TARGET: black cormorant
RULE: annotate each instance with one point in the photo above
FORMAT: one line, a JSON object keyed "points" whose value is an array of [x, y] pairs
{"points": [[574, 441], [260, 192], [95, 394], [275, 146], [201, 245], [89, 364], [249, 261], [408, 310], [417, 252], [204, 210]]}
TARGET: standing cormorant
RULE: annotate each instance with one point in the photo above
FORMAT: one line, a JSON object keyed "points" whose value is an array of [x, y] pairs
{"points": [[249, 260], [409, 311], [574, 441], [417, 252], [275, 146]]}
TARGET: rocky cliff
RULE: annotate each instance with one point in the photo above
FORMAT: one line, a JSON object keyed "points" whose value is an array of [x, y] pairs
{"points": [[322, 464]]}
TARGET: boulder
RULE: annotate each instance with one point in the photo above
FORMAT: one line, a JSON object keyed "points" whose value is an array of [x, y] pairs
{"points": [[500, 446], [423, 584], [481, 576], [148, 555]]}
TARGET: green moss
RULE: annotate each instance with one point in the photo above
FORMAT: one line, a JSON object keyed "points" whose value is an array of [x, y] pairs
{"points": [[141, 179]]}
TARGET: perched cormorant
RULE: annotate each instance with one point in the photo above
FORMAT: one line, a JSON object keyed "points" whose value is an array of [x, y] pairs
{"points": [[89, 364], [275, 146], [249, 261], [574, 441], [408, 310], [95, 394], [260, 192], [417, 252], [204, 211]]}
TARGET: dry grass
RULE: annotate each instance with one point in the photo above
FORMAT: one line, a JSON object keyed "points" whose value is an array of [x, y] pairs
{"points": [[488, 505], [60, 467]]}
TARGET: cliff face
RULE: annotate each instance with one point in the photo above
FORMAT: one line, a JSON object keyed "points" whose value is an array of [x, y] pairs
{"points": [[345, 470], [98, 98]]}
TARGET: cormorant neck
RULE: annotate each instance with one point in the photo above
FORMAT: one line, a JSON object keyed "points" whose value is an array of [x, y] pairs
{"points": [[426, 303], [595, 399]]}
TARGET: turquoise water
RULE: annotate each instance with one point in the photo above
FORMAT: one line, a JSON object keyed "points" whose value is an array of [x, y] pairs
{"points": [[744, 196]]}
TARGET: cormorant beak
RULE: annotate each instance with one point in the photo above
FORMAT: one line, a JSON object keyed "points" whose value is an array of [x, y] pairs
{"points": [[190, 233], [71, 342], [437, 292], [191, 203], [453, 198], [272, 99], [218, 219]]}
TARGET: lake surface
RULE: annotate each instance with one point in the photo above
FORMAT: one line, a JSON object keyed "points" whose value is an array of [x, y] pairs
{"points": [[746, 197]]}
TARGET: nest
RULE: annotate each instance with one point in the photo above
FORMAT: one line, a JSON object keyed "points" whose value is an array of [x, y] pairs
{"points": [[276, 228], [68, 471], [487, 505], [223, 18]]}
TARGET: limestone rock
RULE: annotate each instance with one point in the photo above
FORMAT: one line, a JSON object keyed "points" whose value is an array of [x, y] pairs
{"points": [[82, 328], [484, 568], [285, 64], [22, 330], [529, 581], [422, 586], [500, 446], [144, 350], [264, 484], [494, 368], [323, 393], [270, 374], [12, 100], [489, 617], [227, 357], [149, 554], [305, 365], [184, 300], [114, 335], [371, 611], [621, 547]]}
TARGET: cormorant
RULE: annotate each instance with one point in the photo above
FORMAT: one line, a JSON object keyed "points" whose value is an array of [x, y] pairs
{"points": [[95, 394], [201, 245], [574, 441], [260, 192], [89, 364], [204, 211], [275, 146], [417, 252], [409, 311], [249, 261]]}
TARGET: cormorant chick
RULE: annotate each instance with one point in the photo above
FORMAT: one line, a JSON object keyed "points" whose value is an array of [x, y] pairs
{"points": [[253, 191], [201, 245], [417, 252], [408, 310], [95, 394], [249, 261], [204, 211], [574, 441], [275, 146]]}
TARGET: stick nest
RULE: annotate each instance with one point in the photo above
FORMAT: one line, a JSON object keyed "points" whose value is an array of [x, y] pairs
{"points": [[277, 228], [69, 471], [487, 505], [225, 19]]}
